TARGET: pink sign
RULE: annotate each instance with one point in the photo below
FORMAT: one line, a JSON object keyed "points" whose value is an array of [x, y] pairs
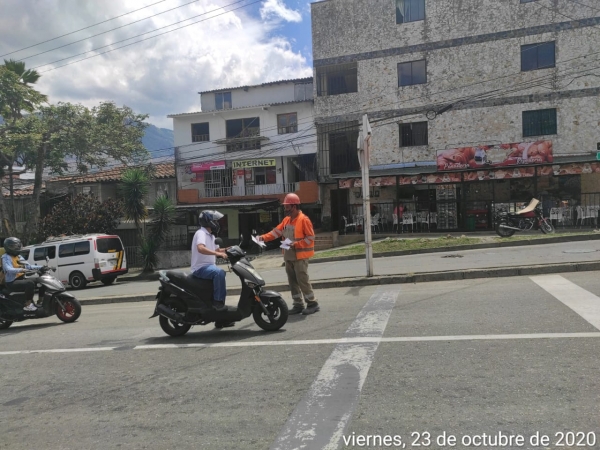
{"points": [[208, 165]]}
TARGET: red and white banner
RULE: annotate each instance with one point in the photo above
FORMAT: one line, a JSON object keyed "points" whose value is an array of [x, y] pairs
{"points": [[208, 165], [490, 156]]}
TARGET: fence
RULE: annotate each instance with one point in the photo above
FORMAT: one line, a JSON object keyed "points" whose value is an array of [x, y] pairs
{"points": [[134, 254]]}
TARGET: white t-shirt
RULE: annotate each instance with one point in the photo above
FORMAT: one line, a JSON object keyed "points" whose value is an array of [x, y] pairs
{"points": [[199, 260]]}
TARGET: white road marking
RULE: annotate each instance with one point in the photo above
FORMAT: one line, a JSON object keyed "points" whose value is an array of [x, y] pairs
{"points": [[320, 418], [466, 337], [583, 302]]}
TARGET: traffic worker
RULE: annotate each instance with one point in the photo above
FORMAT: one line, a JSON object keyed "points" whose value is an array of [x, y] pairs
{"points": [[298, 228]]}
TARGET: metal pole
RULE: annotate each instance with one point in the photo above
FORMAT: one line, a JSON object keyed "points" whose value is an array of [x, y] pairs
{"points": [[366, 197]]}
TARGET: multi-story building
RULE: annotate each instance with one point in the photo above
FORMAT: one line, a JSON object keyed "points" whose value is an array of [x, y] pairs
{"points": [[474, 105], [247, 148]]}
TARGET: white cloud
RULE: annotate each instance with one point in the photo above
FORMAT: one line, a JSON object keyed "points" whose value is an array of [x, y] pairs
{"points": [[159, 76], [277, 9]]}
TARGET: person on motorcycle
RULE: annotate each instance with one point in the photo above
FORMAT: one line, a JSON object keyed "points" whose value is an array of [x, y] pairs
{"points": [[297, 227], [14, 267], [204, 256]]}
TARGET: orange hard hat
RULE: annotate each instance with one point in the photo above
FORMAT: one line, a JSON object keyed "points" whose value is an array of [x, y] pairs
{"points": [[291, 199]]}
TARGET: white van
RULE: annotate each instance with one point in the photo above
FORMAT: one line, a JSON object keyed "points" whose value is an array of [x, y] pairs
{"points": [[82, 258]]}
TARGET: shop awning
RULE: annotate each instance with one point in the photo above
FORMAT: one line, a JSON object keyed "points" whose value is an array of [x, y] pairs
{"points": [[240, 204]]}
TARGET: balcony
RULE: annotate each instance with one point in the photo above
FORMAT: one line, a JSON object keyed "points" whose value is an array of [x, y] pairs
{"points": [[248, 139], [307, 191]]}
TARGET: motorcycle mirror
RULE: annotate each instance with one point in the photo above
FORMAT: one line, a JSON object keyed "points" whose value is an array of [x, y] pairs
{"points": [[47, 259], [219, 242]]}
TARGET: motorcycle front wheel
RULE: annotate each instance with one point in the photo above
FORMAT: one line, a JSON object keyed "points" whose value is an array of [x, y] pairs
{"points": [[71, 311], [503, 232], [171, 327], [278, 309], [546, 226]]}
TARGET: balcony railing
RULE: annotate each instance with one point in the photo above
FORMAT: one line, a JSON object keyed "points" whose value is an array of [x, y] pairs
{"points": [[237, 191]]}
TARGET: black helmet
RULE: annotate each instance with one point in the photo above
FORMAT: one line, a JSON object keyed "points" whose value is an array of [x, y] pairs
{"points": [[13, 246], [210, 219]]}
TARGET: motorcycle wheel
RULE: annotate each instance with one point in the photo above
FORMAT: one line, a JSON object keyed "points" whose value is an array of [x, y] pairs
{"points": [[278, 308], [4, 324], [171, 327], [72, 309], [546, 227], [503, 232]]}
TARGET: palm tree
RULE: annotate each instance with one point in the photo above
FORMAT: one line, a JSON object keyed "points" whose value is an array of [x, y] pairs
{"points": [[163, 218], [29, 76], [134, 187]]}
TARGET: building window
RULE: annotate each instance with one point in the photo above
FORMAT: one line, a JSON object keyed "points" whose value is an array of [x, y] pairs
{"points": [[287, 123], [413, 134], [223, 100], [265, 175], [244, 133], [540, 122], [537, 56], [303, 91], [410, 10], [528, 1], [413, 72], [335, 80], [200, 132]]}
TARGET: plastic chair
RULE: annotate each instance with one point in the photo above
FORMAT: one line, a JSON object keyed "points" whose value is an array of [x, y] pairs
{"points": [[433, 219], [423, 219], [407, 219], [395, 222], [375, 222], [348, 225]]}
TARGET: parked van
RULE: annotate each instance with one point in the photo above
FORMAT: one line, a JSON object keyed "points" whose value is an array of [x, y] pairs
{"points": [[82, 258]]}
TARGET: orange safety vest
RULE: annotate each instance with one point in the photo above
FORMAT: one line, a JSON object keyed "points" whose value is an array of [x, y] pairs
{"points": [[304, 235]]}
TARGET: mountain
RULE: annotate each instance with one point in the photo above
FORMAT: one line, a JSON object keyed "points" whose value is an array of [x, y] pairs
{"points": [[158, 141]]}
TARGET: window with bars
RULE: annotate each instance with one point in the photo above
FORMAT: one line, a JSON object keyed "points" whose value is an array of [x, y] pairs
{"points": [[223, 100], [287, 123], [246, 132], [336, 80], [200, 132], [412, 72], [540, 122], [413, 134], [538, 56], [410, 10]]}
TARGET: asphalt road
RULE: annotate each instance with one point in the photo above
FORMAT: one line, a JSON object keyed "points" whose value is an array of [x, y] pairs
{"points": [[429, 262], [406, 363]]}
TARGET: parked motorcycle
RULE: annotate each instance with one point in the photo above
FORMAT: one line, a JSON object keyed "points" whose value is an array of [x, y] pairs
{"points": [[184, 300], [531, 217], [52, 299]]}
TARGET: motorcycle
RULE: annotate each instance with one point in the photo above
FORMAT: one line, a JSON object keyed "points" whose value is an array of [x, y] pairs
{"points": [[184, 300], [531, 217], [52, 299]]}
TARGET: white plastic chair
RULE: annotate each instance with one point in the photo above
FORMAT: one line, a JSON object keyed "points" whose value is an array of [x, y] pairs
{"points": [[423, 219], [375, 222], [348, 225], [395, 222], [433, 218], [407, 219]]}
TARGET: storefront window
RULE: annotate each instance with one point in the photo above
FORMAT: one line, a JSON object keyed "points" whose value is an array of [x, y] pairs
{"points": [[265, 175]]}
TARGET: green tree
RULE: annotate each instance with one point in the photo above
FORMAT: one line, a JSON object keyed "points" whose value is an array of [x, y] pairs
{"points": [[82, 214], [90, 138], [134, 187]]}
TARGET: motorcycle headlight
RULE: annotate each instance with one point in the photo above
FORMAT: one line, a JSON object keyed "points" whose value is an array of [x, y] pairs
{"points": [[250, 284]]}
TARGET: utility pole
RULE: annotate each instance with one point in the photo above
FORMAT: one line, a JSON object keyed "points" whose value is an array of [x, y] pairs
{"points": [[364, 153]]}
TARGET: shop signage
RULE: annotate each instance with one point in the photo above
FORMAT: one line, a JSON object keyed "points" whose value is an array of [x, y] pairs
{"points": [[265, 217], [569, 169], [253, 163], [207, 165], [501, 155], [598, 154]]}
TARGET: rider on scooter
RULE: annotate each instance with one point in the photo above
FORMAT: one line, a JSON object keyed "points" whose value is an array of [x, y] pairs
{"points": [[204, 256], [14, 267]]}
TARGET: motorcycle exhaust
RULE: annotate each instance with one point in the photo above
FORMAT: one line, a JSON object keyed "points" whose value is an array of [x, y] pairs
{"points": [[509, 228], [169, 313]]}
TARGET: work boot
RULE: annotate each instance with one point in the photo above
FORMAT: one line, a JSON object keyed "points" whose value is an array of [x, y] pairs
{"points": [[296, 309], [310, 309]]}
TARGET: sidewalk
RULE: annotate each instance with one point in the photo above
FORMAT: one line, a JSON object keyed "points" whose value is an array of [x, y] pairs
{"points": [[525, 258]]}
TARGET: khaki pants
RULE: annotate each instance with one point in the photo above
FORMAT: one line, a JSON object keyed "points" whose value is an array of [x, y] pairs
{"points": [[297, 273]]}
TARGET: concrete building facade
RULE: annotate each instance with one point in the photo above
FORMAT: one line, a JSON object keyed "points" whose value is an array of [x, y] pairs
{"points": [[475, 105]]}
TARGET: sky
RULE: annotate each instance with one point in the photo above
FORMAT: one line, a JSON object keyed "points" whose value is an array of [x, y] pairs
{"points": [[233, 43]]}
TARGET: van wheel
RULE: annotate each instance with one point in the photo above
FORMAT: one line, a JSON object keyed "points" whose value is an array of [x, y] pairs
{"points": [[77, 280], [108, 281]]}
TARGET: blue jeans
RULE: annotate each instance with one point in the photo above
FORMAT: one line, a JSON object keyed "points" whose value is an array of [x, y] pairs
{"points": [[217, 276]]}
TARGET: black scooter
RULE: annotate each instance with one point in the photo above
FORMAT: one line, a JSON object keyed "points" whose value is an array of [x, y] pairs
{"points": [[52, 299], [184, 300]]}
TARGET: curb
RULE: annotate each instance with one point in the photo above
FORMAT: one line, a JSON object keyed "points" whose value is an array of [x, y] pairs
{"points": [[422, 277]]}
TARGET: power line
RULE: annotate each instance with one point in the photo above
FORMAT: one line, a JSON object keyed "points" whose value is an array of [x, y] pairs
{"points": [[81, 29]]}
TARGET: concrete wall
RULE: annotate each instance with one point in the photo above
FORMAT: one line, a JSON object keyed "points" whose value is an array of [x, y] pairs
{"points": [[471, 47], [174, 259]]}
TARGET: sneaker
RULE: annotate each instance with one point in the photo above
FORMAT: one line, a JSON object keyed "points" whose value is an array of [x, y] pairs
{"points": [[310, 310], [296, 309], [219, 306], [30, 307]]}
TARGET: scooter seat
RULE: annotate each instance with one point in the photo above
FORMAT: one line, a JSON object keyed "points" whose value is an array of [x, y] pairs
{"points": [[189, 282]]}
